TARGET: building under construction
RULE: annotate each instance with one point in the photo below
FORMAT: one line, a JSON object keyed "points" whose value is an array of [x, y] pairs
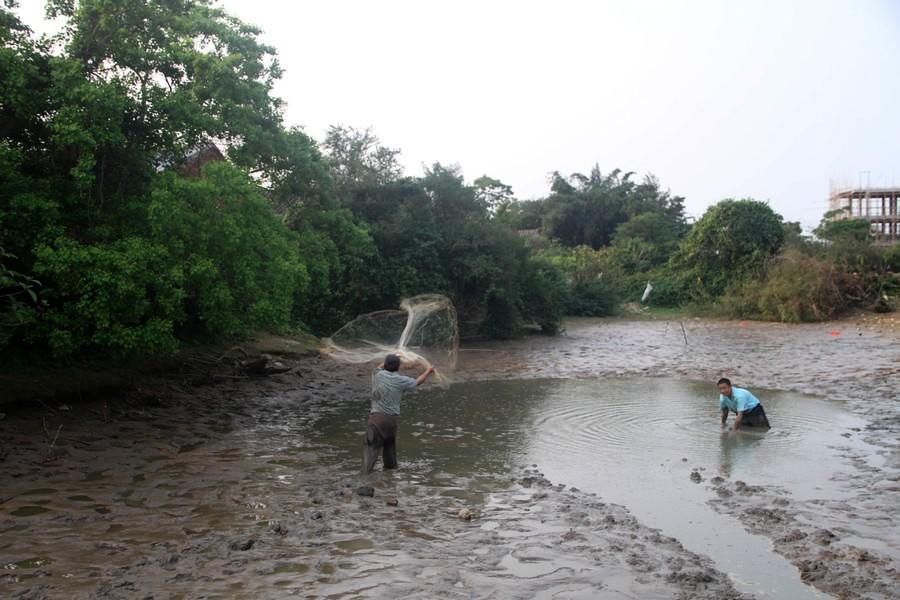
{"points": [[877, 205]]}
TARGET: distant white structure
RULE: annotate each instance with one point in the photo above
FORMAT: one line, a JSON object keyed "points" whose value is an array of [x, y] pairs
{"points": [[878, 205]]}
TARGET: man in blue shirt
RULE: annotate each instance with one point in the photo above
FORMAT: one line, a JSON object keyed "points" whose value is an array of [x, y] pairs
{"points": [[747, 408], [381, 431]]}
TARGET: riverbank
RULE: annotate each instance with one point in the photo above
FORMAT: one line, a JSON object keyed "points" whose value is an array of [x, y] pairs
{"points": [[245, 487], [224, 486]]}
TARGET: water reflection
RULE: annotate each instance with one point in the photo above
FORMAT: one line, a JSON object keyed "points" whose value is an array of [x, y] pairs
{"points": [[738, 451], [634, 442]]}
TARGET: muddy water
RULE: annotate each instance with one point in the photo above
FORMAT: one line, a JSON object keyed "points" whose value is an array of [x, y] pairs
{"points": [[247, 488], [635, 442]]}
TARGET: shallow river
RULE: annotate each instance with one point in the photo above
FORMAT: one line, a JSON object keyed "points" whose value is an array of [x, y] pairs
{"points": [[635, 442], [247, 488]]}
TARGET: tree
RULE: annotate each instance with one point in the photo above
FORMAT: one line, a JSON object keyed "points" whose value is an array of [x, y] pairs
{"points": [[733, 240], [646, 240], [587, 209], [495, 195], [132, 258], [843, 230], [358, 160]]}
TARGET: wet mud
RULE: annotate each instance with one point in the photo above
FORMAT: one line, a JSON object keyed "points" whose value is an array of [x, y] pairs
{"points": [[249, 486]]}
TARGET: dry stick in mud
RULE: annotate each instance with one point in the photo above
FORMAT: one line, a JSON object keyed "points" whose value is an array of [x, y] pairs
{"points": [[683, 332], [55, 437]]}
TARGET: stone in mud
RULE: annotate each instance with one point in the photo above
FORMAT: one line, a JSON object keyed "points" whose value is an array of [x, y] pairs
{"points": [[795, 535], [278, 529], [465, 514], [859, 554], [690, 577], [315, 516], [811, 570], [392, 502], [242, 546], [717, 480], [824, 537], [695, 477], [366, 490], [766, 514], [169, 561]]}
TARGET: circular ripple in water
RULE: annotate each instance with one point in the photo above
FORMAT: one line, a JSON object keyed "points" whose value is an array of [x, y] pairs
{"points": [[621, 429], [625, 426]]}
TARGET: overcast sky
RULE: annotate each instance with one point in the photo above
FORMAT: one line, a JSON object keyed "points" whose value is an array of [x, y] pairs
{"points": [[769, 100]]}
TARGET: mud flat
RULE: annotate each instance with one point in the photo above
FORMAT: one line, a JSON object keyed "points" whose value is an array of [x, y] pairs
{"points": [[236, 490], [839, 525], [248, 487]]}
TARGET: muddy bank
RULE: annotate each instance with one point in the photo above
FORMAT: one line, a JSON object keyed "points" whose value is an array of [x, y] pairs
{"points": [[221, 488], [853, 363], [234, 485]]}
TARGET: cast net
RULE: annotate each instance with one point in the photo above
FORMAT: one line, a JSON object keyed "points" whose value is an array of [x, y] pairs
{"points": [[424, 330]]}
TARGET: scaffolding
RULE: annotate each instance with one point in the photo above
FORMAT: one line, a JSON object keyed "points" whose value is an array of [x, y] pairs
{"points": [[877, 205]]}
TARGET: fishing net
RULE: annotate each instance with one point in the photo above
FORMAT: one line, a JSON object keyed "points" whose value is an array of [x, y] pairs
{"points": [[424, 330]]}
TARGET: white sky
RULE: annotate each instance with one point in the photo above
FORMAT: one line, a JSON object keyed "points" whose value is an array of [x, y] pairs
{"points": [[764, 99]]}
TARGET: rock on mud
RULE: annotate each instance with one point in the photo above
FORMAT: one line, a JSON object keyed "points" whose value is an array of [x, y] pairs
{"points": [[465, 514], [242, 546], [366, 490]]}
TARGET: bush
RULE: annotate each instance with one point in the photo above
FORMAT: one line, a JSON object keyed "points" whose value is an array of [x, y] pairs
{"points": [[798, 288], [122, 298], [596, 298], [732, 242], [241, 265], [545, 294]]}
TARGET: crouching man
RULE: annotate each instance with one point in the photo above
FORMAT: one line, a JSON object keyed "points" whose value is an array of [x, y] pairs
{"points": [[747, 408]]}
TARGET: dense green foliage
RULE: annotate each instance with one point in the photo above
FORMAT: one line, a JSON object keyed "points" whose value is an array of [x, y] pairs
{"points": [[437, 234], [113, 243], [125, 233], [732, 241], [151, 195]]}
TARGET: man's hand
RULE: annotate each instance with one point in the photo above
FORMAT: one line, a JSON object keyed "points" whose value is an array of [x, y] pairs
{"points": [[425, 374]]}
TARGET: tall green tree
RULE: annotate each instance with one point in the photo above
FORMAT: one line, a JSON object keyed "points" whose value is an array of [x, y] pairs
{"points": [[587, 209], [732, 241]]}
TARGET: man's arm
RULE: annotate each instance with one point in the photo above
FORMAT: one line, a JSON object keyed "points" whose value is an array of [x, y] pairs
{"points": [[737, 421], [724, 416], [421, 378]]}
